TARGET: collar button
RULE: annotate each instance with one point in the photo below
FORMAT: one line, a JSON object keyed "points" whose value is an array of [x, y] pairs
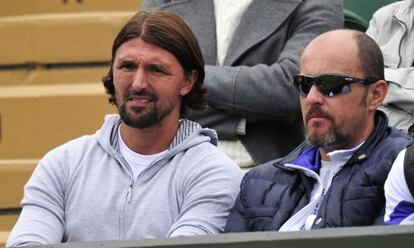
{"points": [[362, 156]]}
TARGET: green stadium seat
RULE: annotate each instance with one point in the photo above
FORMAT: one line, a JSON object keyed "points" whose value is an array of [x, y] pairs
{"points": [[354, 21], [358, 13]]}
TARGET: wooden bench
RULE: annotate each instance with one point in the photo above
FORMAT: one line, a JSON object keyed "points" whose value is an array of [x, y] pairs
{"points": [[24, 7], [3, 237], [35, 119], [59, 39], [13, 176]]}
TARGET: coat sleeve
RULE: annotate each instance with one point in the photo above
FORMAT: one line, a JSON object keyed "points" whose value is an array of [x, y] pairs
{"points": [[373, 27], [42, 218], [401, 88], [208, 191], [399, 102]]}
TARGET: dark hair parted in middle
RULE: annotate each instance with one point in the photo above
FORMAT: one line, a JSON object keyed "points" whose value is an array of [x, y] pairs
{"points": [[166, 30]]}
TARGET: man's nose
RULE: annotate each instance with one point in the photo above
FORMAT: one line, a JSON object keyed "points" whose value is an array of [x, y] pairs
{"points": [[140, 80], [314, 96]]}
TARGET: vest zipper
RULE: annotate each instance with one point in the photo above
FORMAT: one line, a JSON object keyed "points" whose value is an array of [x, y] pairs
{"points": [[294, 220]]}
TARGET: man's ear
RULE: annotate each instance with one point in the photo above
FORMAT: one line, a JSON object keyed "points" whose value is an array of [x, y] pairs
{"points": [[189, 81], [378, 92]]}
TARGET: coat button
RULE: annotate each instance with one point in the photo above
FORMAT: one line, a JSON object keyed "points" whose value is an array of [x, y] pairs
{"points": [[362, 156], [318, 221]]}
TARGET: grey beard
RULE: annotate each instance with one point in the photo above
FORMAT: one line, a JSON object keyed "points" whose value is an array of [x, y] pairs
{"points": [[333, 140]]}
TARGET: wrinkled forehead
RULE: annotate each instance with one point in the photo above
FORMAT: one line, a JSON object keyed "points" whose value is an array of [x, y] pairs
{"points": [[139, 51], [334, 53]]}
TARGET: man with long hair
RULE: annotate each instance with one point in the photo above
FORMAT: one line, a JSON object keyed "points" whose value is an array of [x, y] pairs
{"points": [[148, 172]]}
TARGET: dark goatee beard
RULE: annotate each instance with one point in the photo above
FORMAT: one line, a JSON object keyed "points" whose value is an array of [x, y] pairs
{"points": [[331, 141], [138, 118]]}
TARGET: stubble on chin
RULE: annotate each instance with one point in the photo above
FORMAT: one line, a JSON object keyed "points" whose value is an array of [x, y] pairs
{"points": [[333, 139], [139, 117]]}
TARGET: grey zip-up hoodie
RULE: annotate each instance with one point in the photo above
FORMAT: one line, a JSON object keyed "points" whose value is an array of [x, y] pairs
{"points": [[84, 190]]}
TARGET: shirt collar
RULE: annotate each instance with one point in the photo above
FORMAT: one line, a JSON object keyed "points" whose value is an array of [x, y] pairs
{"points": [[311, 158]]}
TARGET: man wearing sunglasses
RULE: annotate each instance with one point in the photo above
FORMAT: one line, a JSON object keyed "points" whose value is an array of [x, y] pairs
{"points": [[336, 177]]}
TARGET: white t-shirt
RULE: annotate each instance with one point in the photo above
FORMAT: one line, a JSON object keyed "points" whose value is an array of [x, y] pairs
{"points": [[136, 161]]}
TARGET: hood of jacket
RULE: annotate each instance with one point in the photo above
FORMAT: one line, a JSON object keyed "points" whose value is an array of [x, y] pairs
{"points": [[189, 134]]}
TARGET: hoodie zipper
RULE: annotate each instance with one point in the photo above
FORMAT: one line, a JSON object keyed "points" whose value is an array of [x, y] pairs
{"points": [[124, 210], [129, 192], [127, 199], [142, 177]]}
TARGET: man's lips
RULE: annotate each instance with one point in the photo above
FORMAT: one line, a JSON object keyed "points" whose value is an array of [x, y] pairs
{"points": [[139, 101], [140, 98], [317, 116], [317, 121]]}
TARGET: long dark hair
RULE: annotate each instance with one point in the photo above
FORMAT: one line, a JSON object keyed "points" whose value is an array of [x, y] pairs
{"points": [[166, 30]]}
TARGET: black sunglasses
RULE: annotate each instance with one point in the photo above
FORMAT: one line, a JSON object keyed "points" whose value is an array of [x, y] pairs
{"points": [[328, 84]]}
